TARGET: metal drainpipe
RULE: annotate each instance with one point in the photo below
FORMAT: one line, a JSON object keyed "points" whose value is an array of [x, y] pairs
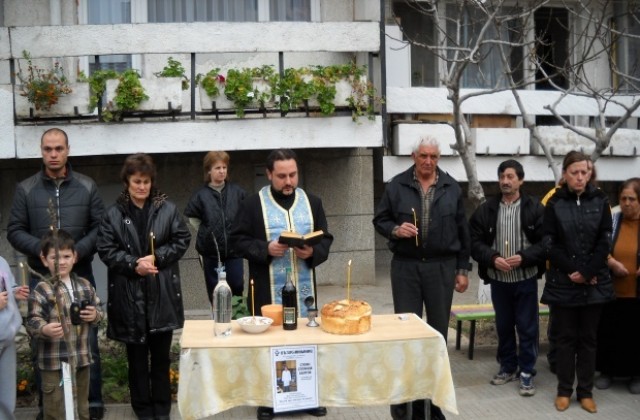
{"points": [[193, 86], [383, 77]]}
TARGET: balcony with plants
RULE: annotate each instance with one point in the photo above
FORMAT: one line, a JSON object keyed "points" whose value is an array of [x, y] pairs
{"points": [[188, 88]]}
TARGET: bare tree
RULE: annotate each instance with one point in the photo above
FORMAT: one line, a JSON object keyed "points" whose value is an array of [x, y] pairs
{"points": [[600, 70], [600, 33], [471, 37]]}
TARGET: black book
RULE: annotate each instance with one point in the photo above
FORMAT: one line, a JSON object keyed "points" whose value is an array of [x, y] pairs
{"points": [[297, 240]]}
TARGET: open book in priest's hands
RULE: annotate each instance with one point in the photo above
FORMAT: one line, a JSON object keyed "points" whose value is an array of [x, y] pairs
{"points": [[297, 240]]}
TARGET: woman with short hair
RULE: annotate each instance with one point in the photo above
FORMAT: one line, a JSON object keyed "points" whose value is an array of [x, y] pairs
{"points": [[141, 239], [211, 211]]}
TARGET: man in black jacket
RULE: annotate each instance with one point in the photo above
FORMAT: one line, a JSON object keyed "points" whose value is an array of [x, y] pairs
{"points": [[78, 209], [506, 241], [422, 214]]}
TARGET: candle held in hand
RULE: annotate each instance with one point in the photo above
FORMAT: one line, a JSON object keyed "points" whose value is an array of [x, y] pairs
{"points": [[153, 253], [24, 273], [415, 222], [349, 281], [253, 302]]}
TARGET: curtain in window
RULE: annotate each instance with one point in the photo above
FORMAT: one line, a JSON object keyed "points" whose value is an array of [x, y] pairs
{"points": [[290, 10], [488, 72], [108, 12], [627, 48], [202, 10]]}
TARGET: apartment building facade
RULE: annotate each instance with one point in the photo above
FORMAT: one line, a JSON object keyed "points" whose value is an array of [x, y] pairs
{"points": [[343, 161]]}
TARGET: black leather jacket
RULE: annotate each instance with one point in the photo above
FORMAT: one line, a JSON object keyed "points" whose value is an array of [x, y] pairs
{"points": [[216, 211], [483, 234], [448, 234], [577, 237], [78, 207], [138, 305]]}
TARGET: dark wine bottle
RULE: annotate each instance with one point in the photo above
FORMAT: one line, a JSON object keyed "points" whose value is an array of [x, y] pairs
{"points": [[289, 304]]}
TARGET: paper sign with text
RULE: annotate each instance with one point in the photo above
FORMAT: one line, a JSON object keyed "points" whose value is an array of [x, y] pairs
{"points": [[295, 378]]}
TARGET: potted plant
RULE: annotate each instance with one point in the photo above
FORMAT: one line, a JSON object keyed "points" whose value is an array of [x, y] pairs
{"points": [[129, 94], [174, 68], [43, 89], [249, 86], [97, 84], [293, 88], [210, 84], [345, 85], [362, 100]]}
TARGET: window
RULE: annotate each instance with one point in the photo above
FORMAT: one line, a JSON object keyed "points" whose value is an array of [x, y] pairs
{"points": [[418, 27], [229, 10], [552, 33], [627, 49], [101, 12], [290, 10], [488, 71], [202, 10]]}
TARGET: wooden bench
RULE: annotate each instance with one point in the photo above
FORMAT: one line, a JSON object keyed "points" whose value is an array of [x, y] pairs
{"points": [[473, 313]]}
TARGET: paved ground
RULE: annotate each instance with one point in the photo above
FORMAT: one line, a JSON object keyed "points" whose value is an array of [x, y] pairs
{"points": [[476, 398]]}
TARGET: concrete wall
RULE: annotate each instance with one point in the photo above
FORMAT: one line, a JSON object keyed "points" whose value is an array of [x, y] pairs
{"points": [[341, 178]]}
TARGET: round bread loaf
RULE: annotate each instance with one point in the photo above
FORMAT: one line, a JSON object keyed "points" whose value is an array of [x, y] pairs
{"points": [[346, 317]]}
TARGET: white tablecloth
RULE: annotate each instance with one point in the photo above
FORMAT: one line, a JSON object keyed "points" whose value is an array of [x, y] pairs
{"points": [[396, 361]]}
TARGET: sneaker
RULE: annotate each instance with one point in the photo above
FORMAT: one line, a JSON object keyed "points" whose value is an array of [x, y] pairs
{"points": [[503, 377], [603, 381], [527, 388]]}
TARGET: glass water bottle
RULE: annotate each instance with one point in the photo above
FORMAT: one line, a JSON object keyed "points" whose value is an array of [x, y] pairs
{"points": [[222, 306]]}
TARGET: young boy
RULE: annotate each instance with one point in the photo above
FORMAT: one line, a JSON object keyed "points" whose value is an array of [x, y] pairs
{"points": [[60, 313]]}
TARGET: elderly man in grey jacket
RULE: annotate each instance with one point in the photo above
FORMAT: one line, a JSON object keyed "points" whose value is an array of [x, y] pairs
{"points": [[422, 215]]}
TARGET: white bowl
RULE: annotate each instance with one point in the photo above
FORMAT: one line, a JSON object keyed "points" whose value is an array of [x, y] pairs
{"points": [[255, 324]]}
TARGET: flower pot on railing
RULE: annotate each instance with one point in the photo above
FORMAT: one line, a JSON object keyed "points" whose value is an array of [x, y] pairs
{"points": [[165, 94], [260, 92], [221, 101], [73, 104]]}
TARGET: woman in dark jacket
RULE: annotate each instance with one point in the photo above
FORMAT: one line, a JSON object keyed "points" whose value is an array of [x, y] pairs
{"points": [[577, 230], [616, 358], [141, 238], [211, 210]]}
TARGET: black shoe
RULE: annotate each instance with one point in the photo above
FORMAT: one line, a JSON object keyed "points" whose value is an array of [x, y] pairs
{"points": [[40, 415], [265, 413], [398, 411], [96, 413], [317, 412], [436, 413]]}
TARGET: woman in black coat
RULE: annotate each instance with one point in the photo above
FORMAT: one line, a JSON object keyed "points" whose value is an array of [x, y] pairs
{"points": [[212, 210], [141, 239], [577, 230]]}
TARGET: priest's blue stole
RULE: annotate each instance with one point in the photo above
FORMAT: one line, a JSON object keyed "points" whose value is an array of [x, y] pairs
{"points": [[299, 219]]}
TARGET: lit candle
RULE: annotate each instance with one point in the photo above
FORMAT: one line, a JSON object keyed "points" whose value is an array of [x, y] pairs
{"points": [[23, 273], [349, 281], [153, 254], [253, 302], [415, 222], [506, 248]]}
